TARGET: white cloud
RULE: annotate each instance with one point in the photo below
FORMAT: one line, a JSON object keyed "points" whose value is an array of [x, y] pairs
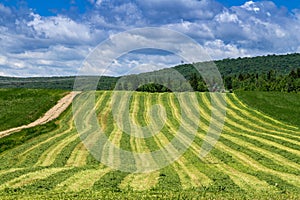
{"points": [[60, 28], [226, 17], [250, 5], [54, 61], [198, 30], [218, 50]]}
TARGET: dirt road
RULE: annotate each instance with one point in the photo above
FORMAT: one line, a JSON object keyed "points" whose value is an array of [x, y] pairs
{"points": [[51, 114]]}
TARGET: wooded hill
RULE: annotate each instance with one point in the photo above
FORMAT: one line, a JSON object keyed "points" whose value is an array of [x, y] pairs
{"points": [[263, 73]]}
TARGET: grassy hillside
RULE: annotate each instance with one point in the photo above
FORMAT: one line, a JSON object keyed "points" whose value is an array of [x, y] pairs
{"points": [[256, 157], [22, 106], [281, 106]]}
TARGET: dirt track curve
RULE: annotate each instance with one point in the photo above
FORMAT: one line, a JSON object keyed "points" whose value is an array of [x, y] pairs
{"points": [[51, 114]]}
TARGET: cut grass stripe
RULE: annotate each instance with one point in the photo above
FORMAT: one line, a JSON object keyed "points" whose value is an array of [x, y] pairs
{"points": [[255, 118], [270, 148], [260, 158], [244, 129], [32, 157], [140, 182], [230, 124], [280, 166], [259, 126], [195, 179], [187, 178], [14, 157], [271, 179], [140, 116], [244, 181], [149, 102], [223, 167], [9, 170], [89, 137], [30, 178], [63, 156], [138, 145], [83, 105], [49, 183], [8, 176], [264, 116], [248, 161], [43, 139], [49, 156], [110, 154], [265, 141], [237, 134], [110, 181], [82, 180], [232, 173], [47, 140], [78, 157]]}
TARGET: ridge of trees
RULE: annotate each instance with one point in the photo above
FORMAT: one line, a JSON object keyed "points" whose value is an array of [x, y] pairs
{"points": [[262, 73], [270, 81]]}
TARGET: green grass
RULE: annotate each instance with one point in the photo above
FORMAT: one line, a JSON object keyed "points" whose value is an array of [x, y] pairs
{"points": [[21, 137], [22, 106], [163, 194], [282, 106], [232, 170]]}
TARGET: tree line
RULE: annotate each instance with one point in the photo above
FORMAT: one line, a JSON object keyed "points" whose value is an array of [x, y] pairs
{"points": [[262, 73], [270, 81]]}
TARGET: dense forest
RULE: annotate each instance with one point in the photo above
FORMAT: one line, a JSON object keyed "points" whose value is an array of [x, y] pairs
{"points": [[270, 81], [262, 73]]}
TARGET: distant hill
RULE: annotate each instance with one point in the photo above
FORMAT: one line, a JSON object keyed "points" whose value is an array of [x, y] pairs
{"points": [[282, 64], [65, 83]]}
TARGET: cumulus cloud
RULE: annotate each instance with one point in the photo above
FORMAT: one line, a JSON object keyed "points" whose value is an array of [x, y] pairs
{"points": [[218, 49], [56, 61], [62, 29]]}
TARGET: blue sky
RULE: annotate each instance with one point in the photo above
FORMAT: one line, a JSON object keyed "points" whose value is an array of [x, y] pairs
{"points": [[289, 4], [53, 38], [48, 8]]}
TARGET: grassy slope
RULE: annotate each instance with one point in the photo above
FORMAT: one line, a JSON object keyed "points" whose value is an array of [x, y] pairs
{"points": [[254, 159], [22, 106], [282, 106]]}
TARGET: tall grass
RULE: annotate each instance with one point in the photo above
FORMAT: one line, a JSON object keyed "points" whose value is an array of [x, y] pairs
{"points": [[22, 106]]}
